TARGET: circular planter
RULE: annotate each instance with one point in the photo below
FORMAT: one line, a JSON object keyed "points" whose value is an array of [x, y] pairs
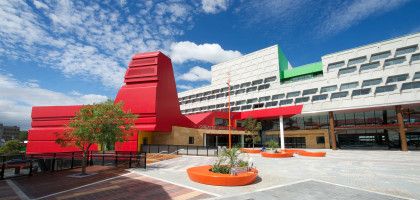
{"points": [[250, 150], [294, 151], [277, 155], [312, 154], [202, 174]]}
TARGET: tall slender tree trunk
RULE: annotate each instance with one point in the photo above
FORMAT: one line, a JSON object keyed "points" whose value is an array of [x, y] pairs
{"points": [[84, 162]]}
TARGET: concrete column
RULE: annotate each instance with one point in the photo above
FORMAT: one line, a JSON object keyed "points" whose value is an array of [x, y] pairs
{"points": [[281, 133], [217, 142], [242, 141], [205, 139], [332, 132], [403, 137]]}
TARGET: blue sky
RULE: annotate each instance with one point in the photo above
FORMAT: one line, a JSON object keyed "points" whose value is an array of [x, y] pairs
{"points": [[76, 52]]}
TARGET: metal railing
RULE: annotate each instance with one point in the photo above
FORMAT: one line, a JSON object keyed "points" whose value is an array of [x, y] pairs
{"points": [[28, 164], [180, 149]]}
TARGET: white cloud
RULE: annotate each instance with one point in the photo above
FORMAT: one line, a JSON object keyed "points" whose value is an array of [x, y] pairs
{"points": [[17, 99], [196, 74], [89, 39], [184, 87], [184, 51], [214, 6], [350, 14]]}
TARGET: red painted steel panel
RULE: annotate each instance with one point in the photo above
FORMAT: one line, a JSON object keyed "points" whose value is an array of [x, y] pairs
{"points": [[50, 146], [273, 112]]}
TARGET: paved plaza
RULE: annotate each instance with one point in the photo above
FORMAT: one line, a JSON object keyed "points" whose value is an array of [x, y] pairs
{"points": [[357, 173], [343, 174]]}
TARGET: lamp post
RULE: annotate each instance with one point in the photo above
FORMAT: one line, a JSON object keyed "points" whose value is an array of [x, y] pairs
{"points": [[229, 121]]}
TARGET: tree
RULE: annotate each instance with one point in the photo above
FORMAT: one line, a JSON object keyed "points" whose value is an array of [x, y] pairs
{"points": [[101, 123], [252, 126], [11, 147], [23, 135]]}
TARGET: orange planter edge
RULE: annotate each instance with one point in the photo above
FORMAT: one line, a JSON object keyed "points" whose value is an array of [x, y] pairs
{"points": [[312, 154], [277, 155], [202, 174], [246, 150]]}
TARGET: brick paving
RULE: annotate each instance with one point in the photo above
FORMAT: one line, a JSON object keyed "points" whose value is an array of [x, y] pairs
{"points": [[107, 183], [6, 192]]}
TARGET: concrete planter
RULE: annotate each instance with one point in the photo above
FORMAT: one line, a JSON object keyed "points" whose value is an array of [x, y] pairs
{"points": [[202, 174]]}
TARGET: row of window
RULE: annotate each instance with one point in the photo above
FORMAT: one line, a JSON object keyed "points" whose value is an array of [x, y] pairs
{"points": [[255, 103], [398, 58], [247, 87]]}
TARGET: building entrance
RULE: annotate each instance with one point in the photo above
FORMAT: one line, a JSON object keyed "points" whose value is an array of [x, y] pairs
{"points": [[214, 140]]}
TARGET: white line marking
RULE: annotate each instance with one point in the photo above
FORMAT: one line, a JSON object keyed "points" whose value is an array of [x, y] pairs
{"points": [[282, 185], [186, 186], [267, 188], [76, 188], [17, 190], [366, 190]]}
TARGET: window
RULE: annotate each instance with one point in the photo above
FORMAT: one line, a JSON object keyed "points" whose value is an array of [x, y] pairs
{"points": [[247, 84], [412, 85], [338, 95], [220, 105], [293, 94], [416, 76], [328, 89], [270, 79], [277, 96], [240, 91], [265, 86], [396, 78], [240, 102], [212, 106], [246, 107], [190, 140], [381, 55], [320, 140], [215, 91], [258, 105], [220, 95], [347, 70], [405, 50], [256, 82], [387, 88], [335, 65], [309, 91], [301, 99], [347, 86], [225, 89], [235, 87], [211, 97], [415, 57], [266, 98], [252, 100], [355, 61], [360, 92], [368, 66], [271, 104], [235, 108], [207, 93], [221, 122], [394, 61], [319, 97], [286, 101], [251, 89], [370, 82]]}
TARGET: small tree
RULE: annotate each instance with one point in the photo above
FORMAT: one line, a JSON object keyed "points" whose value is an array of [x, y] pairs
{"points": [[252, 126], [11, 147], [101, 123]]}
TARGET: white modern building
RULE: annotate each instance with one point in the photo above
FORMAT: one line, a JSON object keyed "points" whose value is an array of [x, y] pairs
{"points": [[357, 94]]}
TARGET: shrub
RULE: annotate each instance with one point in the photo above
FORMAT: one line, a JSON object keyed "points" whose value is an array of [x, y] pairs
{"points": [[228, 159], [271, 144]]}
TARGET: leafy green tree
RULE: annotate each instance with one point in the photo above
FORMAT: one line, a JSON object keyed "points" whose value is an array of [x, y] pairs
{"points": [[252, 126], [11, 147], [103, 123], [23, 135]]}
